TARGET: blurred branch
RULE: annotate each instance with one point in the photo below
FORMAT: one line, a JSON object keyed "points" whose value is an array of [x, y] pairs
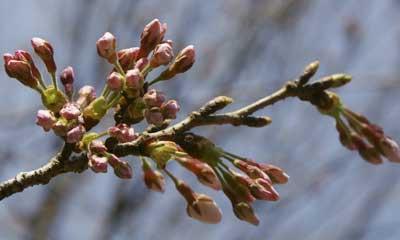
{"points": [[314, 93]]}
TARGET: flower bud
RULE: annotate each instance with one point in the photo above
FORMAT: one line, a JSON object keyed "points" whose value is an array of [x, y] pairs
{"points": [[183, 62], [45, 51], [26, 56], [276, 174], [115, 81], [260, 192], [21, 71], [106, 46], [96, 109], [153, 116], [67, 79], [98, 163], [162, 55], [123, 133], [45, 119], [153, 179], [86, 95], [61, 127], [135, 110], [390, 149], [204, 209], [169, 109], [245, 212], [70, 111], [127, 58], [97, 146], [141, 63], [154, 98], [53, 99], [150, 37], [134, 79], [122, 169], [162, 151], [75, 134]]}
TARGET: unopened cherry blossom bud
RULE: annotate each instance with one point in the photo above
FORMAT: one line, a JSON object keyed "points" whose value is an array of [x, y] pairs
{"points": [[106, 47], [164, 28], [366, 150], [86, 95], [204, 209], [134, 79], [154, 116], [260, 192], [75, 134], [183, 62], [45, 119], [162, 55], [245, 212], [70, 111], [150, 37], [61, 128], [127, 57], [115, 81], [141, 63], [26, 56], [98, 163], [154, 98], [153, 179], [21, 71], [53, 99], [122, 169], [123, 133], [390, 149], [97, 146], [67, 77], [45, 51], [170, 109]]}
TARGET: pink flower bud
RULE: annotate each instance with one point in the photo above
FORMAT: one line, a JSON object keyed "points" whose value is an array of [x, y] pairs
{"points": [[141, 63], [204, 209], [122, 169], [153, 116], [134, 79], [276, 174], [97, 146], [390, 149], [185, 60], [123, 133], [259, 192], [67, 79], [127, 57], [153, 179], [45, 51], [21, 71], [245, 212], [26, 56], [75, 134], [154, 98], [45, 119], [70, 111], [162, 55], [106, 46], [170, 109], [86, 95], [150, 37], [98, 163], [115, 81]]}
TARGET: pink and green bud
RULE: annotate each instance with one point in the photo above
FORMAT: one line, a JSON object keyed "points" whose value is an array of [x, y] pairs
{"points": [[61, 127], [123, 133], [115, 81], [141, 63], [97, 146], [53, 99], [122, 169], [26, 56], [151, 36], [153, 179], [75, 134], [21, 71], [134, 79], [67, 77], [162, 151], [162, 55], [127, 57], [70, 111], [45, 119], [86, 95], [170, 109], [45, 51], [98, 163], [106, 47], [95, 110], [390, 149], [204, 209], [183, 62], [276, 174], [245, 212], [154, 116], [154, 98]]}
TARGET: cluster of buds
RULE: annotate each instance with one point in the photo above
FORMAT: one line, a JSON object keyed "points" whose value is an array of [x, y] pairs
{"points": [[157, 110], [206, 161], [357, 133]]}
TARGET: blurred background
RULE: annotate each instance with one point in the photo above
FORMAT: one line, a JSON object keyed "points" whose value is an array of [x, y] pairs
{"points": [[246, 50]]}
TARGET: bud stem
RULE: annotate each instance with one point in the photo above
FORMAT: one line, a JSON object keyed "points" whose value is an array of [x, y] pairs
{"points": [[170, 175], [120, 70], [106, 91], [146, 70], [158, 79], [53, 77], [114, 99], [40, 80]]}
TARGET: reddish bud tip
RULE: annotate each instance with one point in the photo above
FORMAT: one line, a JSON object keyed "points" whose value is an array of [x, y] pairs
{"points": [[106, 47], [45, 119], [45, 51], [162, 55]]}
